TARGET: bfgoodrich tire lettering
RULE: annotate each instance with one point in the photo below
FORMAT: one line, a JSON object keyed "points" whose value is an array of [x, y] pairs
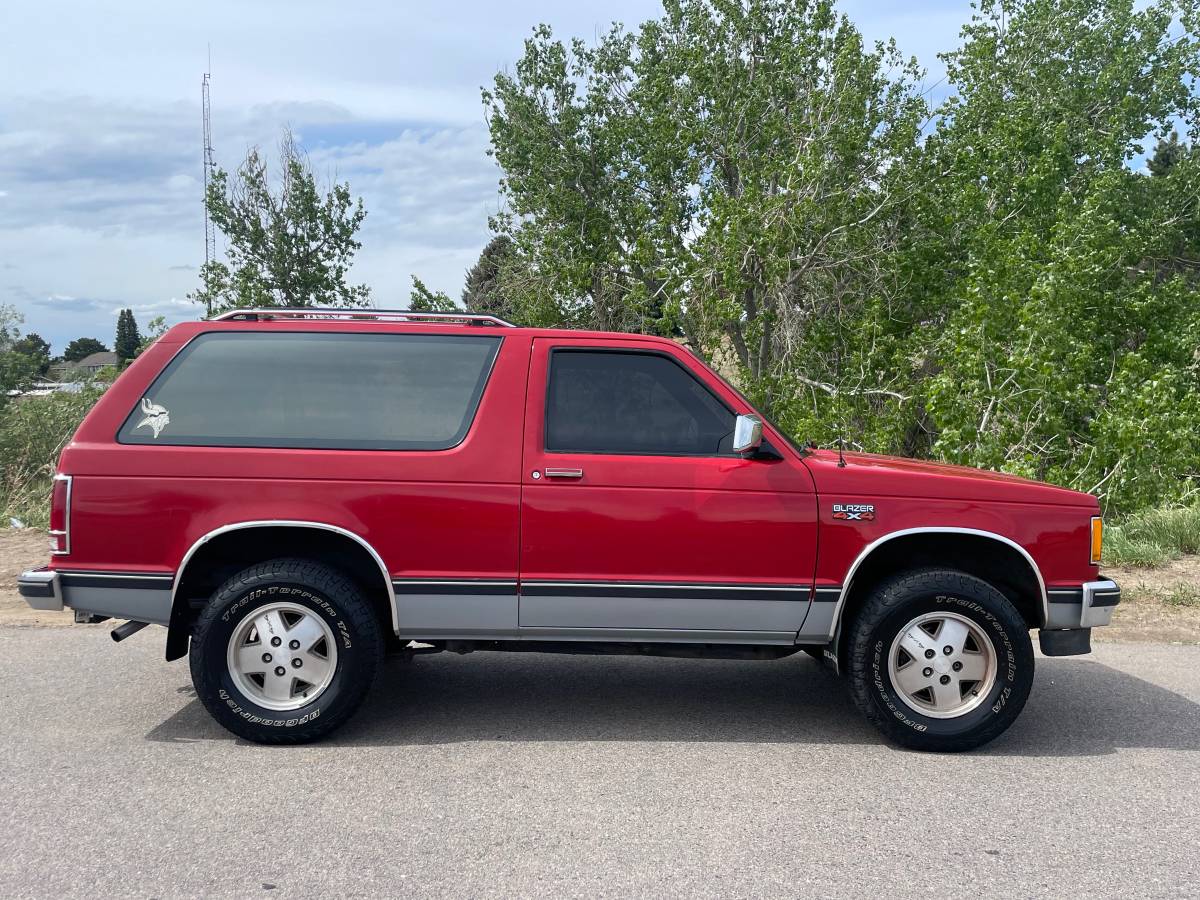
{"points": [[327, 595], [892, 607]]}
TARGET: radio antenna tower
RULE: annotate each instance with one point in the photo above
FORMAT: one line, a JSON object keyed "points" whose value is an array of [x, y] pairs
{"points": [[210, 232]]}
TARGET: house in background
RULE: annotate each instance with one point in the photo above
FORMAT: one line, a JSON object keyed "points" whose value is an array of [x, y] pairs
{"points": [[84, 368]]}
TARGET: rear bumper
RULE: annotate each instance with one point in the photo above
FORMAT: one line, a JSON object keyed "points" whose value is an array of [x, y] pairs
{"points": [[41, 589], [144, 597], [1090, 605]]}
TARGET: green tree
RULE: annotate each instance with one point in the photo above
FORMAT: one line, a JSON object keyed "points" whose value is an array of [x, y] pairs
{"points": [[993, 283], [287, 247], [128, 339], [484, 291], [81, 347], [17, 368], [422, 299], [155, 329], [1167, 152], [736, 170], [35, 347], [1057, 334]]}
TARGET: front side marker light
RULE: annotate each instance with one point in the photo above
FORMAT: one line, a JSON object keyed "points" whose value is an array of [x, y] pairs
{"points": [[1097, 539]]}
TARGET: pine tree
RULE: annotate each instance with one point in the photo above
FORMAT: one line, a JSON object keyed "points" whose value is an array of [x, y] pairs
{"points": [[483, 291], [128, 340], [1166, 154]]}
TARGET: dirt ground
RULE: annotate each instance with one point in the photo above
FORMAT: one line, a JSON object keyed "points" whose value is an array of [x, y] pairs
{"points": [[19, 551], [1142, 615]]}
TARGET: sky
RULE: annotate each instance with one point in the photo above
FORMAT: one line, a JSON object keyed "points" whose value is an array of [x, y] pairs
{"points": [[100, 132]]}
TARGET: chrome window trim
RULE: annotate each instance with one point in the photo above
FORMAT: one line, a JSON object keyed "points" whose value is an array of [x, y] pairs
{"points": [[848, 582], [65, 533], [289, 523]]}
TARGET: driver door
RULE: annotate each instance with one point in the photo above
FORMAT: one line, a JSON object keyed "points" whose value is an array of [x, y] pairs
{"points": [[638, 520]]}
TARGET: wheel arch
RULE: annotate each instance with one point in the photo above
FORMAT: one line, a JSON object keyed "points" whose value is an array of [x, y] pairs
{"points": [[352, 550], [1003, 563]]}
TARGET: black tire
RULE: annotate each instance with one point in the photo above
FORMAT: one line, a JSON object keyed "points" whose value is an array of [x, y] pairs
{"points": [[335, 601], [889, 609]]}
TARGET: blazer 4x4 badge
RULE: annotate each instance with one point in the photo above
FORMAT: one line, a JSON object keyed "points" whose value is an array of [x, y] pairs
{"points": [[854, 512], [155, 416]]}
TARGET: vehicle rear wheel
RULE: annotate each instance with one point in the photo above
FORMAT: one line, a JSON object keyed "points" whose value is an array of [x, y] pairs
{"points": [[939, 660], [285, 652]]}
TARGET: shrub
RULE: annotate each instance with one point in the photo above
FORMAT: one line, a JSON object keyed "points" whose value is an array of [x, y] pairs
{"points": [[33, 431]]}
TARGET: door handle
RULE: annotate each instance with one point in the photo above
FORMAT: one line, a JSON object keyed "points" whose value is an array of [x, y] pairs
{"points": [[564, 473]]}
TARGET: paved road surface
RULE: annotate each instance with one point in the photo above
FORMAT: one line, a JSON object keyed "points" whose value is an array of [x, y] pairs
{"points": [[527, 775]]}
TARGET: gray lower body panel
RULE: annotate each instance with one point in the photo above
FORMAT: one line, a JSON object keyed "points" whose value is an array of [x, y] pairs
{"points": [[582, 611], [455, 609], [640, 613]]}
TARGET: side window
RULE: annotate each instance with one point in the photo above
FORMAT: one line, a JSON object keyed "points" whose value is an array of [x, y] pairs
{"points": [[316, 390], [629, 402]]}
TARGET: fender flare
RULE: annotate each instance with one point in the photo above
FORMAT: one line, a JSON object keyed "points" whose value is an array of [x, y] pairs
{"points": [[176, 630], [835, 624]]}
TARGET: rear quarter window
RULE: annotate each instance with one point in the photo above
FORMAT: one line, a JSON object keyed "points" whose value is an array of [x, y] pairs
{"points": [[323, 390]]}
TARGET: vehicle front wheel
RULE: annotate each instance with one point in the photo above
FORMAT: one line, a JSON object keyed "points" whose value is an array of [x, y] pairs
{"points": [[285, 652], [939, 660]]}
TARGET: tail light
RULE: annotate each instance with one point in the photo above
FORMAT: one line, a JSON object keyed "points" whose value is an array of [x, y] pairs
{"points": [[60, 516]]}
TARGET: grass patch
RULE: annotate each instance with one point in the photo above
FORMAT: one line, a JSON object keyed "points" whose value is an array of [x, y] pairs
{"points": [[1182, 595], [1153, 537]]}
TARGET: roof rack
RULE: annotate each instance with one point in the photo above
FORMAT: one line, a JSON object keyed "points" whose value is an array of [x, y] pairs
{"points": [[317, 312]]}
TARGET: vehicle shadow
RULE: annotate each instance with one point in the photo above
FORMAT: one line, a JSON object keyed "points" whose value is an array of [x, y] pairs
{"points": [[1078, 708]]}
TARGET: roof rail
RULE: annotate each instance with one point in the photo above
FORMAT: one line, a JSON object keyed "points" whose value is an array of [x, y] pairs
{"points": [[317, 312]]}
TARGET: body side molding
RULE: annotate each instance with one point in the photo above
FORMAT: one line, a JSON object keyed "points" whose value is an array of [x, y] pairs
{"points": [[875, 544]]}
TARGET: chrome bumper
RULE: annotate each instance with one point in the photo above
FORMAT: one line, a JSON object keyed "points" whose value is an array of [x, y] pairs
{"points": [[41, 589], [141, 596], [1089, 606]]}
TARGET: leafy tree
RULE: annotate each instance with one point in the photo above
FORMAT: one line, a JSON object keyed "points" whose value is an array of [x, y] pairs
{"points": [[35, 347], [17, 369], [128, 339], [1058, 336], [82, 347], [992, 283], [155, 329], [290, 247], [422, 299], [734, 170]]}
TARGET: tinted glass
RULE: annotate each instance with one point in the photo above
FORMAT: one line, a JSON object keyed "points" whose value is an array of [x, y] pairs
{"points": [[333, 391], [636, 403]]}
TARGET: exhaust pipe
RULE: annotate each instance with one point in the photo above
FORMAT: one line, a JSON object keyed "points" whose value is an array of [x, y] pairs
{"points": [[123, 631]]}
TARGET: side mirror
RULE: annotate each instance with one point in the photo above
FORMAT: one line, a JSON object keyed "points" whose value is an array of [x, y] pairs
{"points": [[747, 435]]}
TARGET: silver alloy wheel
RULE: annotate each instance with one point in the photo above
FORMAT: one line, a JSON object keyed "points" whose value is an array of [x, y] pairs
{"points": [[942, 665], [282, 656]]}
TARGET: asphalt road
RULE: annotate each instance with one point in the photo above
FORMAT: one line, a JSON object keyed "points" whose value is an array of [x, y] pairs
{"points": [[528, 775]]}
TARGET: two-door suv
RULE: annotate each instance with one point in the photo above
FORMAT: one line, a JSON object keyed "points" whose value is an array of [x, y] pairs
{"points": [[291, 493]]}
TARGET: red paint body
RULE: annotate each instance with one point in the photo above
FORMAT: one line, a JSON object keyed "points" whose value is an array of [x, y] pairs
{"points": [[476, 511]]}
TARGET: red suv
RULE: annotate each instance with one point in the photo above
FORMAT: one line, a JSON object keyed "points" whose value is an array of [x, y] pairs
{"points": [[291, 493]]}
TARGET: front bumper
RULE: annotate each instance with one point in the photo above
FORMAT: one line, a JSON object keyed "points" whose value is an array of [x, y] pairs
{"points": [[1090, 605], [140, 596]]}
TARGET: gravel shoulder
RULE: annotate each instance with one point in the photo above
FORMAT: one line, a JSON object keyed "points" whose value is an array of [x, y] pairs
{"points": [[1143, 616]]}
